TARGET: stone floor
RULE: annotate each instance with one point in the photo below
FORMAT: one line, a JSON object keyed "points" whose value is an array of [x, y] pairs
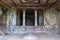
{"points": [[31, 36]]}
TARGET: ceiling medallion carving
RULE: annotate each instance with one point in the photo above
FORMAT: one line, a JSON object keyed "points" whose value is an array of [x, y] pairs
{"points": [[30, 1]]}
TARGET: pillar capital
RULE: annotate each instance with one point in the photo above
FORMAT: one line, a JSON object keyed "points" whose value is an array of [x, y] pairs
{"points": [[24, 9]]}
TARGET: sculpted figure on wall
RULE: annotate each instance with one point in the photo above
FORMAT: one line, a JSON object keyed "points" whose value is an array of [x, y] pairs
{"points": [[50, 19], [51, 16], [11, 20]]}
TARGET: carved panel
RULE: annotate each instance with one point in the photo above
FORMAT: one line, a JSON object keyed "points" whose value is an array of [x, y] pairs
{"points": [[43, 1]]}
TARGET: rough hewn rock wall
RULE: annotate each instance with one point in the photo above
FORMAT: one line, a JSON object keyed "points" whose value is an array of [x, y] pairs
{"points": [[58, 18]]}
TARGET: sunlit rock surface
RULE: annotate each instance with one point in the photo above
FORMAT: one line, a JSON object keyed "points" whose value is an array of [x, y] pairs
{"points": [[42, 36], [30, 37]]}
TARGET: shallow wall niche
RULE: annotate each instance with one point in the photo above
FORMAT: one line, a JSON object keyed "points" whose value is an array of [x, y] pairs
{"points": [[50, 17]]}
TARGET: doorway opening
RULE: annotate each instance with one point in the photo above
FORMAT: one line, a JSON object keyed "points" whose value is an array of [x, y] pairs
{"points": [[30, 17]]}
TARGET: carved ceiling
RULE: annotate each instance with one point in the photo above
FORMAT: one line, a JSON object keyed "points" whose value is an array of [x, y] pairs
{"points": [[43, 4]]}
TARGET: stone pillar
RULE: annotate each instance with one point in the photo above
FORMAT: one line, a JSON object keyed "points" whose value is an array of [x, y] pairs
{"points": [[1, 11], [23, 17], [35, 18], [7, 24], [4, 20], [18, 19]]}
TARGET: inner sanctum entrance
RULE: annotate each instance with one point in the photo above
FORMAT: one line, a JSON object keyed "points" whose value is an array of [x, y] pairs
{"points": [[29, 17]]}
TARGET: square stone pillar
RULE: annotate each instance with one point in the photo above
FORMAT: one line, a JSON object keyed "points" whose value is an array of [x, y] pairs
{"points": [[35, 18], [23, 17]]}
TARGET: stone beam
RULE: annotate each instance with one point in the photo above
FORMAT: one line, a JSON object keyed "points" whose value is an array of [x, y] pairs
{"points": [[5, 3]]}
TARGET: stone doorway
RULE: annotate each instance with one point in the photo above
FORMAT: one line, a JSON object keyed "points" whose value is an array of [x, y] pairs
{"points": [[29, 17]]}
